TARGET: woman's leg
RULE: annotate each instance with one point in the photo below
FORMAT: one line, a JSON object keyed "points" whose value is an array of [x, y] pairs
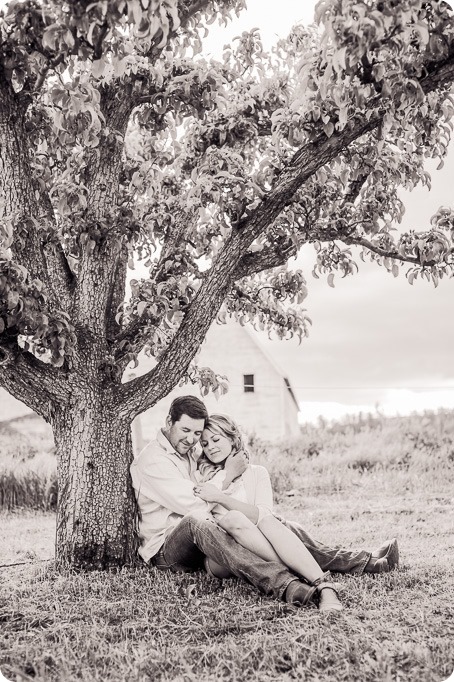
{"points": [[297, 557], [246, 533], [252, 537], [291, 551]]}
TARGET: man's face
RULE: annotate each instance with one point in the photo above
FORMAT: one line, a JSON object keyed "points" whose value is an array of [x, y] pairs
{"points": [[184, 433]]}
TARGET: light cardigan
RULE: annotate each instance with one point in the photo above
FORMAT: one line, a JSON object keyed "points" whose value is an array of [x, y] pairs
{"points": [[164, 482], [253, 487]]}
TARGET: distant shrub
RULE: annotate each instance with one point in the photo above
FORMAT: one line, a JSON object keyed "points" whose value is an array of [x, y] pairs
{"points": [[30, 483], [362, 464], [313, 450], [335, 456]]}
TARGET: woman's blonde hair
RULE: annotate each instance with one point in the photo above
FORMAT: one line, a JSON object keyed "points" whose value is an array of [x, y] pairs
{"points": [[225, 426]]}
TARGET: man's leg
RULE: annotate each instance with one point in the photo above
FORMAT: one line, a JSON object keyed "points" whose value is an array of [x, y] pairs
{"points": [[197, 535], [330, 558]]}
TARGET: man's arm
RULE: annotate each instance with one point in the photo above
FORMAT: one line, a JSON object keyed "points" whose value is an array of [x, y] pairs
{"points": [[235, 466], [163, 483]]}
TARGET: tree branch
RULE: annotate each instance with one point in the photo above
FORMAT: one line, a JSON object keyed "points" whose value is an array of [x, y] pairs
{"points": [[35, 383], [35, 244], [174, 243], [187, 10], [145, 391], [117, 104], [355, 189], [271, 256], [117, 296], [313, 155], [97, 52], [96, 280], [395, 255], [284, 248]]}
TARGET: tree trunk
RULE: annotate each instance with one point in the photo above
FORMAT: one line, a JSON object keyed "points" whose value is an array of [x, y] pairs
{"points": [[96, 503]]}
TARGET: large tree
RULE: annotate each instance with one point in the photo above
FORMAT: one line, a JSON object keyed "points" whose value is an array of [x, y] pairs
{"points": [[120, 142]]}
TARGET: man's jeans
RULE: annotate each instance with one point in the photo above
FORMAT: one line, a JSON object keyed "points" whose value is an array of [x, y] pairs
{"points": [[198, 535]]}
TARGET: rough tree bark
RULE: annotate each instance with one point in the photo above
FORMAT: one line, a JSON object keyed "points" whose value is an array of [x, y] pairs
{"points": [[96, 509]]}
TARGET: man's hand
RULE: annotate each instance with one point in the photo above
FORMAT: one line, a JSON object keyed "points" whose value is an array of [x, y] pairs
{"points": [[208, 492], [234, 467]]}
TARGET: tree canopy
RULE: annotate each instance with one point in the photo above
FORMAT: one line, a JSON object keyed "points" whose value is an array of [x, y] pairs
{"points": [[120, 141]]}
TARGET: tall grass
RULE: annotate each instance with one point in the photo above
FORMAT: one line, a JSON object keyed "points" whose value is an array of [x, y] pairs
{"points": [[329, 457], [29, 483], [362, 450], [28, 469]]}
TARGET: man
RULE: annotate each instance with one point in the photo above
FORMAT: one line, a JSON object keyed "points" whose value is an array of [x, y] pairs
{"points": [[177, 530]]}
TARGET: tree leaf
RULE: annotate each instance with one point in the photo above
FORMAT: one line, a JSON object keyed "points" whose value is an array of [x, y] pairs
{"points": [[141, 307]]}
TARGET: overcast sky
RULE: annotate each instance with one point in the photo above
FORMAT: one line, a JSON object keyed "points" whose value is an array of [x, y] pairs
{"points": [[375, 339]]}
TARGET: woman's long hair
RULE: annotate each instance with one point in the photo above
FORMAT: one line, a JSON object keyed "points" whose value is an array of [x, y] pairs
{"points": [[225, 426]]}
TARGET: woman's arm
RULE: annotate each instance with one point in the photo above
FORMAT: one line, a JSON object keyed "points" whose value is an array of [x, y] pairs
{"points": [[210, 493]]}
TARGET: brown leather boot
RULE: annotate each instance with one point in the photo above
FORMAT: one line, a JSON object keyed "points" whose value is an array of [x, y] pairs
{"points": [[328, 593], [384, 559], [298, 593]]}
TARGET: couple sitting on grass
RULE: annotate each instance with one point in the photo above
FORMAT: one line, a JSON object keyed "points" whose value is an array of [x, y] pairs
{"points": [[213, 510]]}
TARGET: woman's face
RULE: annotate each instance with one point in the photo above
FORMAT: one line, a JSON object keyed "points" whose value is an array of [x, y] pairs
{"points": [[216, 446]]}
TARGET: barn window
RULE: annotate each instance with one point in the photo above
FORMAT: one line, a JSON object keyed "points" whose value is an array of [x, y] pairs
{"points": [[248, 383]]}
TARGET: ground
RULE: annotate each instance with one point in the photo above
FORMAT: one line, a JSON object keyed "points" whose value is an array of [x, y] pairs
{"points": [[144, 625]]}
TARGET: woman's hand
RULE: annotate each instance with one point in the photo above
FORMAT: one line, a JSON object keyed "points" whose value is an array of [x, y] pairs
{"points": [[208, 492]]}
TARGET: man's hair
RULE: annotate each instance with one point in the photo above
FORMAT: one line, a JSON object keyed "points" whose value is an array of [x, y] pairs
{"points": [[187, 404]]}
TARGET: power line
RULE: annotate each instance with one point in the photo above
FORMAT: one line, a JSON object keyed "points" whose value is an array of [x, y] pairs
{"points": [[354, 388]]}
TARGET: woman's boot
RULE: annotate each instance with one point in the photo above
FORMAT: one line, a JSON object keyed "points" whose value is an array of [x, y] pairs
{"points": [[328, 593]]}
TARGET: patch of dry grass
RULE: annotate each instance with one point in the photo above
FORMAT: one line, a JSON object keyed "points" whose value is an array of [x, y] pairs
{"points": [[142, 625], [146, 625]]}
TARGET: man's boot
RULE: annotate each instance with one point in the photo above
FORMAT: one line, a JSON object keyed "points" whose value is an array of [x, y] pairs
{"points": [[384, 559]]}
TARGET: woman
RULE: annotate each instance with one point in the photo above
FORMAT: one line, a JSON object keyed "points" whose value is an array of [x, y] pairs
{"points": [[245, 512]]}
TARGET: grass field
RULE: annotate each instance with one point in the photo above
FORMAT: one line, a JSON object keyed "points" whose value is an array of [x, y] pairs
{"points": [[354, 485]]}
